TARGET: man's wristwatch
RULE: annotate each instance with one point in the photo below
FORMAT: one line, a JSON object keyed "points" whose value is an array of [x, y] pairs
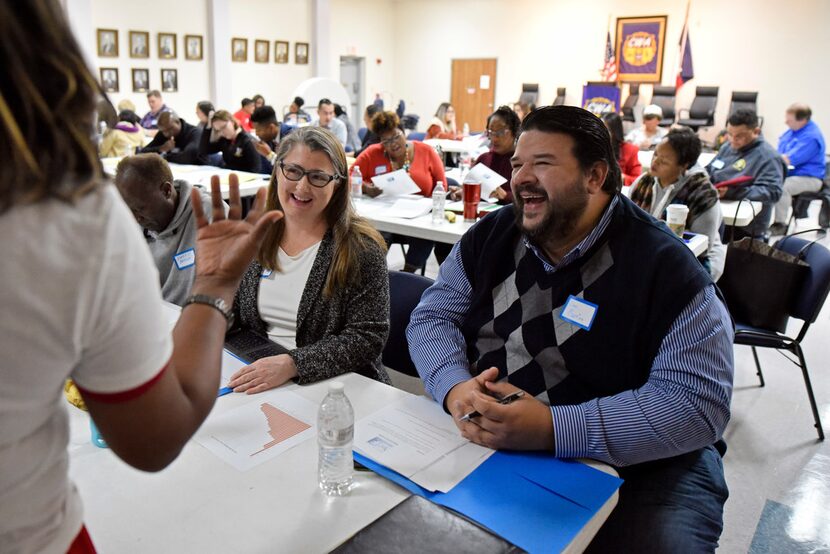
{"points": [[212, 301]]}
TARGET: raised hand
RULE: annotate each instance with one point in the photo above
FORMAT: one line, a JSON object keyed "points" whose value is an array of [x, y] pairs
{"points": [[226, 246]]}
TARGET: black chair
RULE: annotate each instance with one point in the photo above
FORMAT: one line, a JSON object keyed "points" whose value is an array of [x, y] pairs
{"points": [[630, 101], [806, 307], [560, 97], [530, 94], [801, 203], [415, 136], [747, 100], [405, 290], [702, 111], [665, 98]]}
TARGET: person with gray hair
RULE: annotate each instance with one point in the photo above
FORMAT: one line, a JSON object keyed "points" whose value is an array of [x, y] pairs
{"points": [[162, 206], [319, 285]]}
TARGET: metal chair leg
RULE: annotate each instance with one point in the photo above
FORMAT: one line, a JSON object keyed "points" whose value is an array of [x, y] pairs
{"points": [[758, 365], [803, 362]]}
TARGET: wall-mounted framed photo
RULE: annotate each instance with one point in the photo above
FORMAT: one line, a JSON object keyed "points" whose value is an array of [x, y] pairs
{"points": [[301, 53], [193, 47], [167, 46], [280, 51], [262, 51], [239, 50], [141, 79], [139, 44], [169, 80], [109, 79], [640, 45], [107, 43]]}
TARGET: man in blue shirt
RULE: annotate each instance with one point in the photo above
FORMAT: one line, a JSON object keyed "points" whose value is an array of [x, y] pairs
{"points": [[608, 323], [802, 147]]}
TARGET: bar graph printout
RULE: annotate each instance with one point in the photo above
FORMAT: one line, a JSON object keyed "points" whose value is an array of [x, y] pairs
{"points": [[259, 430]]}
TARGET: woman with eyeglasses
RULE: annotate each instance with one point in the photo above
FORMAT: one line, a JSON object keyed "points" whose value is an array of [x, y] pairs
{"points": [[443, 124], [502, 130], [393, 153], [319, 285], [227, 136]]}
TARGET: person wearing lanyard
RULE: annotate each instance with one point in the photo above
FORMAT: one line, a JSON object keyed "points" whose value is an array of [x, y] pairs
{"points": [[237, 146]]}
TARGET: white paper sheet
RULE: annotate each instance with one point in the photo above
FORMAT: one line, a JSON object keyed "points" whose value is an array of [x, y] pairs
{"points": [[415, 438], [260, 430], [489, 179], [396, 183], [409, 208]]}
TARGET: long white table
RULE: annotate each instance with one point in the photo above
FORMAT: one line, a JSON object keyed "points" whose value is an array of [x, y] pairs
{"points": [[201, 504], [739, 214]]}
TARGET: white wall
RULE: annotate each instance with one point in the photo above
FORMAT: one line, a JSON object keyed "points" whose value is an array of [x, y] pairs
{"points": [[740, 45], [181, 17]]}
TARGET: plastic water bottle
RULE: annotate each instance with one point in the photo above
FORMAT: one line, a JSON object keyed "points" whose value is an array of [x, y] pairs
{"points": [[356, 182], [335, 433], [466, 129], [439, 198]]}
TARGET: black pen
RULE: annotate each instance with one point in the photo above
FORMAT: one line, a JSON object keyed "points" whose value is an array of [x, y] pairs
{"points": [[506, 400]]}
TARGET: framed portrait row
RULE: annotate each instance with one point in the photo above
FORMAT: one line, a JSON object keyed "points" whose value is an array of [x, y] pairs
{"points": [[139, 45], [140, 79], [262, 51]]}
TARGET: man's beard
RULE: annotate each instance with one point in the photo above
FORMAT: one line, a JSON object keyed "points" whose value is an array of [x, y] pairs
{"points": [[562, 215]]}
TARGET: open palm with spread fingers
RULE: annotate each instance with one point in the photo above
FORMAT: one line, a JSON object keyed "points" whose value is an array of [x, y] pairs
{"points": [[227, 244]]}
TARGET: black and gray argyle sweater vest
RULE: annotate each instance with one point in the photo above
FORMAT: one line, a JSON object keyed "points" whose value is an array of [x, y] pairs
{"points": [[638, 274]]}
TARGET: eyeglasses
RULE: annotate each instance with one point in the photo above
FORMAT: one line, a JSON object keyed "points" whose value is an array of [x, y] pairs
{"points": [[317, 179], [499, 133], [392, 140]]}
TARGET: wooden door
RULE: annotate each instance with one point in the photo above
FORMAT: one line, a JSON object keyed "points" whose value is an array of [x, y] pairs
{"points": [[473, 92]]}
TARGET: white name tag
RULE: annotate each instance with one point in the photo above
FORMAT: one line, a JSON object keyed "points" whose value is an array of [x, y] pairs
{"points": [[185, 259], [579, 312], [266, 273], [717, 164], [381, 169]]}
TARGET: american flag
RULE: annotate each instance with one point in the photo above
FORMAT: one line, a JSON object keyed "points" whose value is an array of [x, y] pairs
{"points": [[609, 70], [685, 70]]}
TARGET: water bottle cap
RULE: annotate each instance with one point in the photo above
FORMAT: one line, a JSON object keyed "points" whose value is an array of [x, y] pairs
{"points": [[336, 386]]}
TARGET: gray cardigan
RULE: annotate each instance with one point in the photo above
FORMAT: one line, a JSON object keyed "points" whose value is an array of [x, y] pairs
{"points": [[335, 335]]}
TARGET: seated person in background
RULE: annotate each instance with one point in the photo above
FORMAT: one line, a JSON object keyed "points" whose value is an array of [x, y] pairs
{"points": [[370, 137], [416, 158], [627, 153], [319, 285], [177, 141], [638, 376], [443, 125], [267, 131], [325, 113], [157, 107], [296, 113], [243, 116], [522, 109], [675, 178], [163, 208], [237, 146], [502, 129], [126, 105], [259, 101], [747, 167], [123, 139], [352, 140], [802, 147], [204, 111], [650, 134]]}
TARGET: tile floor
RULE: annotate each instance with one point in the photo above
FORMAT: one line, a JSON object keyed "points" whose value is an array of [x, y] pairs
{"points": [[777, 470]]}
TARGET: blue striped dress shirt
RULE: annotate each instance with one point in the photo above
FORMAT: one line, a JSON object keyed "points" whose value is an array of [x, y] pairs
{"points": [[683, 406]]}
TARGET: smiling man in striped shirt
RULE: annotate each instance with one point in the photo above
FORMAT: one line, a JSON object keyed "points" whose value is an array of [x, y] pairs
{"points": [[605, 319]]}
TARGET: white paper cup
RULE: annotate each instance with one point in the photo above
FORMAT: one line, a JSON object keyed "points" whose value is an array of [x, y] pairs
{"points": [[676, 215]]}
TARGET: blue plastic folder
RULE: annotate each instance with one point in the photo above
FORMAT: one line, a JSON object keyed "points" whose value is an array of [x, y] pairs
{"points": [[533, 500]]}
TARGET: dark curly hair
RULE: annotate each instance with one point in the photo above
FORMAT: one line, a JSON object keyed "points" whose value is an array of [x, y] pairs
{"points": [[383, 122], [686, 144], [510, 118]]}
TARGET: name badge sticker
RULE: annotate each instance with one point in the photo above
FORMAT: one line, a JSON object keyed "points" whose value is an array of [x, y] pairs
{"points": [[380, 170], [579, 312], [717, 164], [185, 259], [266, 273]]}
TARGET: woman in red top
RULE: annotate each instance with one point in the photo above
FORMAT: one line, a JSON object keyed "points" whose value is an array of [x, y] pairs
{"points": [[443, 125], [394, 152], [626, 152]]}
